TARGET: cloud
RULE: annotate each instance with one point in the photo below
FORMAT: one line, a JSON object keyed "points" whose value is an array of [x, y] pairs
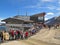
{"points": [[47, 0], [58, 13], [50, 13], [34, 6], [58, 9], [58, 1], [46, 19], [51, 7], [0, 19], [39, 6]]}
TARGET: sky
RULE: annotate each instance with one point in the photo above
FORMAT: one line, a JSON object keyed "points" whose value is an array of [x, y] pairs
{"points": [[10, 8]]}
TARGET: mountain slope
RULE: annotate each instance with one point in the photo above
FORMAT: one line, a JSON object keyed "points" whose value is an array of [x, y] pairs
{"points": [[52, 21]]}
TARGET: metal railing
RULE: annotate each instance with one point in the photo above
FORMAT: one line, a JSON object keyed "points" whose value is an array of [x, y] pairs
{"points": [[20, 25]]}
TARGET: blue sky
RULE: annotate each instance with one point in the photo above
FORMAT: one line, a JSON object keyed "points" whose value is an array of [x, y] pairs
{"points": [[9, 8]]}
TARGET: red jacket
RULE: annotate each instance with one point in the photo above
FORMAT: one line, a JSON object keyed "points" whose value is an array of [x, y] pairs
{"points": [[26, 34], [12, 33]]}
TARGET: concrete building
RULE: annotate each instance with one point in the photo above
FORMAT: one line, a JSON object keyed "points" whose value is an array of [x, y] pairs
{"points": [[24, 22]]}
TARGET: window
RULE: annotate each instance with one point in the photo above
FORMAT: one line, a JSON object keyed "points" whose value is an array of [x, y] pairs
{"points": [[40, 18]]}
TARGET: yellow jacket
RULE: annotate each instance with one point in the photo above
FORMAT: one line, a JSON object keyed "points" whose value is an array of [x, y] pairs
{"points": [[6, 36]]}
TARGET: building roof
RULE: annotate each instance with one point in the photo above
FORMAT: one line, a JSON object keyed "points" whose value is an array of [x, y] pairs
{"points": [[13, 21], [40, 14], [9, 19], [16, 20]]}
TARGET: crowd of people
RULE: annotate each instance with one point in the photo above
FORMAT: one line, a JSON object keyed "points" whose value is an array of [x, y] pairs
{"points": [[16, 34], [20, 34]]}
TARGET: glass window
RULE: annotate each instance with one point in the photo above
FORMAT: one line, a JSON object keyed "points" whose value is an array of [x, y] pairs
{"points": [[40, 18]]}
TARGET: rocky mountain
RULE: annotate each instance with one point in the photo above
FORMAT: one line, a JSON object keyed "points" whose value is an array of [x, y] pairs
{"points": [[52, 21]]}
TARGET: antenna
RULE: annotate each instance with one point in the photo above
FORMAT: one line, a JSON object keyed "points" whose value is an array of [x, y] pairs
{"points": [[18, 12], [26, 13]]}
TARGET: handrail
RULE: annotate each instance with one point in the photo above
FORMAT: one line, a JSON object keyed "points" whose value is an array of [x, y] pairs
{"points": [[20, 25]]}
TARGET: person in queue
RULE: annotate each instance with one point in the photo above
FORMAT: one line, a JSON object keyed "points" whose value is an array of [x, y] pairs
{"points": [[11, 34], [17, 34], [21, 32], [6, 35], [26, 34], [1, 36], [33, 31]]}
